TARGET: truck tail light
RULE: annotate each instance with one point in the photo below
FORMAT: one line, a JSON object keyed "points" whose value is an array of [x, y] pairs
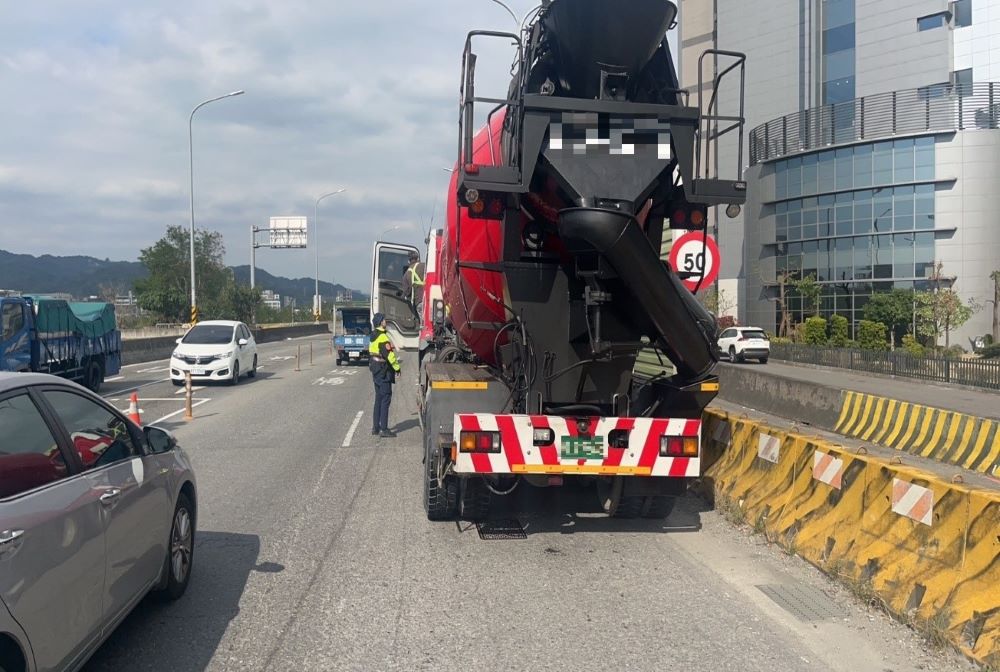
{"points": [[479, 442], [678, 446]]}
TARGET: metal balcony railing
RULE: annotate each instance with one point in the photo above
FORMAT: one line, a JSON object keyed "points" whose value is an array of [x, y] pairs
{"points": [[939, 107]]}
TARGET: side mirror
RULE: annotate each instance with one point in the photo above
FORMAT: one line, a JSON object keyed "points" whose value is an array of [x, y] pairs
{"points": [[179, 340], [242, 342], [159, 440]]}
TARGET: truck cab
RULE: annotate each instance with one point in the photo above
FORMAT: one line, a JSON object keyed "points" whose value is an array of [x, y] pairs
{"points": [[15, 334], [352, 345]]}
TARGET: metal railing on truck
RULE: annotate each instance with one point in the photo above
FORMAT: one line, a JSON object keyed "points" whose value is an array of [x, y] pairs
{"points": [[983, 373]]}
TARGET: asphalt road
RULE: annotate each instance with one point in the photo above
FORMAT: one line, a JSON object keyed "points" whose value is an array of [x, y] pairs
{"points": [[313, 553]]}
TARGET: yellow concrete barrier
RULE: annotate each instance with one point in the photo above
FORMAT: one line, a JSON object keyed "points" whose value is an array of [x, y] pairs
{"points": [[949, 436], [927, 548]]}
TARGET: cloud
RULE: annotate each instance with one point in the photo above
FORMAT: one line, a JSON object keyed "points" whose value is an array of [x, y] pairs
{"points": [[358, 95]]}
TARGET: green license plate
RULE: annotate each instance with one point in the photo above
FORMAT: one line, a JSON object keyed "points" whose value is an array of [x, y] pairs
{"points": [[576, 448]]}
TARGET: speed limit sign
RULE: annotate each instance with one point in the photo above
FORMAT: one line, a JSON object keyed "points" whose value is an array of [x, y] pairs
{"points": [[696, 257]]}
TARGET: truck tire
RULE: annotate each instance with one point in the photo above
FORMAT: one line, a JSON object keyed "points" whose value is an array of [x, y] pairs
{"points": [[659, 507], [615, 503], [473, 499], [440, 499], [93, 376]]}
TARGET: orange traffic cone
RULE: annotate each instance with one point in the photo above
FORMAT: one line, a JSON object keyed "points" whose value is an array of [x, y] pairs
{"points": [[133, 409]]}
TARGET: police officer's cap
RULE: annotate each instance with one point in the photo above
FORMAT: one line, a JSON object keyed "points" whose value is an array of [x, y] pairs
{"points": [[378, 319]]}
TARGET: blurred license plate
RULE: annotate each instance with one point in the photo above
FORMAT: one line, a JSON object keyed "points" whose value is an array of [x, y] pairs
{"points": [[575, 448], [355, 355], [197, 372]]}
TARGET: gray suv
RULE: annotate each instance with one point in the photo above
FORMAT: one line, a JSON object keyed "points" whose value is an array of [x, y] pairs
{"points": [[94, 514]]}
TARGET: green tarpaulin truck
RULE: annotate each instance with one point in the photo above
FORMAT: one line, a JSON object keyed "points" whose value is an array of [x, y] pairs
{"points": [[79, 341]]}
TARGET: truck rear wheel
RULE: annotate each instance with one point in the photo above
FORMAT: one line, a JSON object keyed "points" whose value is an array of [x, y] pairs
{"points": [[474, 499], [659, 507], [93, 376], [440, 498], [615, 503]]}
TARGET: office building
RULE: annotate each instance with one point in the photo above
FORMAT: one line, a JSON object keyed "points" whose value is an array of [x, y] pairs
{"points": [[872, 151]]}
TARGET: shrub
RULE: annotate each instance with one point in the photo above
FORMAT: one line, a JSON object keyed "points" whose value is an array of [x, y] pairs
{"points": [[872, 335], [953, 352], [780, 340], [838, 331], [991, 351], [799, 333], [815, 331], [913, 347]]}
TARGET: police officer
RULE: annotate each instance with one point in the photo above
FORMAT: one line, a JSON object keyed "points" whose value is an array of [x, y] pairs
{"points": [[384, 366], [413, 283]]}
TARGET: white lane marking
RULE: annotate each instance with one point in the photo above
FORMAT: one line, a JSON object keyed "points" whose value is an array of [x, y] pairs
{"points": [[135, 387], [157, 361], [111, 380], [344, 372], [170, 415], [154, 370], [193, 389], [350, 432], [284, 358], [328, 381]]}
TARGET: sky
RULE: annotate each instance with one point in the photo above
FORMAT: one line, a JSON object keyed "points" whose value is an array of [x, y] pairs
{"points": [[356, 95]]}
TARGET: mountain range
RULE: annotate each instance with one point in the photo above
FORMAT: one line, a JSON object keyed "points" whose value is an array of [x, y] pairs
{"points": [[87, 276]]}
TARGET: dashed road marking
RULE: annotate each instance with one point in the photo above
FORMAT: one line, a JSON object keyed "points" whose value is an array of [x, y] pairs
{"points": [[350, 432], [111, 380], [154, 369]]}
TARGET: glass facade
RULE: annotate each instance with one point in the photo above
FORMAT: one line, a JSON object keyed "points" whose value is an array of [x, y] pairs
{"points": [[838, 55], [859, 219]]}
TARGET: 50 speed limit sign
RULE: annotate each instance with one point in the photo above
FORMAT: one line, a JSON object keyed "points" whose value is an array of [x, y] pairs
{"points": [[696, 256]]}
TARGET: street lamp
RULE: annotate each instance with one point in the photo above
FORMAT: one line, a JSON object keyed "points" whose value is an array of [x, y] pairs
{"points": [[317, 302], [194, 293], [381, 236]]}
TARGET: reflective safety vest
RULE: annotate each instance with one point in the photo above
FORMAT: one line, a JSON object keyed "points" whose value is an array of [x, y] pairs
{"points": [[416, 282], [380, 349]]}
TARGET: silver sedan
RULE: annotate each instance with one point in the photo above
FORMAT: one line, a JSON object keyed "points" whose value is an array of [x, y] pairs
{"points": [[95, 513]]}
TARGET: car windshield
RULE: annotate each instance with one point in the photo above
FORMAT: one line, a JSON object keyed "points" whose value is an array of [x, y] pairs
{"points": [[754, 333], [209, 334]]}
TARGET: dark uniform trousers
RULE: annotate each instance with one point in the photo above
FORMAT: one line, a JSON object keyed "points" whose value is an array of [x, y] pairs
{"points": [[383, 377]]}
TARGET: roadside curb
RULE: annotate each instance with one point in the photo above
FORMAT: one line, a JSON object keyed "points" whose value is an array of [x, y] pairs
{"points": [[927, 549]]}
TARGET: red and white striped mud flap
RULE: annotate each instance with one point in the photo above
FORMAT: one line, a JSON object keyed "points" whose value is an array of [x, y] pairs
{"points": [[768, 448], [913, 501], [519, 455], [828, 469]]}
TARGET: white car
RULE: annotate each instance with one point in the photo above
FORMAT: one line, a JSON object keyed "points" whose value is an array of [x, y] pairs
{"points": [[215, 350], [743, 343]]}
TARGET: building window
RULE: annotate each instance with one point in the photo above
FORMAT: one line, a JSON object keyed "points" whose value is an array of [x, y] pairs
{"points": [[962, 13], [932, 21], [962, 81]]}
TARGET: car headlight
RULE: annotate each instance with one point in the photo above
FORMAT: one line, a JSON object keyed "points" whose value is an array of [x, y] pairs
{"points": [[226, 355]]}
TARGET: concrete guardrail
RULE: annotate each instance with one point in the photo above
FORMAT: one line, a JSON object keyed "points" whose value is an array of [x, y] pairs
{"points": [[138, 350], [951, 437], [925, 548]]}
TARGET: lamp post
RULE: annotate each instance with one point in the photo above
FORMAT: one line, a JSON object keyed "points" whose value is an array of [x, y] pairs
{"points": [[381, 236], [194, 293], [317, 302]]}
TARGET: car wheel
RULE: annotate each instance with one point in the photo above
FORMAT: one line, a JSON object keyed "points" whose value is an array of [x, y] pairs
{"points": [[732, 353], [253, 372], [180, 550], [763, 360], [236, 373], [177, 381]]}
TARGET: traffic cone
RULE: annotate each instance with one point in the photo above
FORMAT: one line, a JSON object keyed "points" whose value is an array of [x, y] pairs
{"points": [[133, 409]]}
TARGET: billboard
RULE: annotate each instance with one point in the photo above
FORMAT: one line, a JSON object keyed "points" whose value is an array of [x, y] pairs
{"points": [[288, 232]]}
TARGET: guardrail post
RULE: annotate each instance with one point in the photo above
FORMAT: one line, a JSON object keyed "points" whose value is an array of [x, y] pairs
{"points": [[310, 353], [298, 357]]}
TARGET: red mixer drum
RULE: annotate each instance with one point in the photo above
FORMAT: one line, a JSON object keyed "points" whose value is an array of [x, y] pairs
{"points": [[474, 295]]}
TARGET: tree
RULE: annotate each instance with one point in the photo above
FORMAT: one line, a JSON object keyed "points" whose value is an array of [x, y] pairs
{"points": [[166, 291], [784, 279], [939, 312], [717, 301], [809, 290], [893, 309], [995, 276]]}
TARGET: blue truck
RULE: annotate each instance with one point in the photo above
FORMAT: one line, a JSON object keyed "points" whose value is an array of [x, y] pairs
{"points": [[79, 341], [352, 346]]}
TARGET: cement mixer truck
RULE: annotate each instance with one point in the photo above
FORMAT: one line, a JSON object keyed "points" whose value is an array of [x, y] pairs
{"points": [[547, 280]]}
